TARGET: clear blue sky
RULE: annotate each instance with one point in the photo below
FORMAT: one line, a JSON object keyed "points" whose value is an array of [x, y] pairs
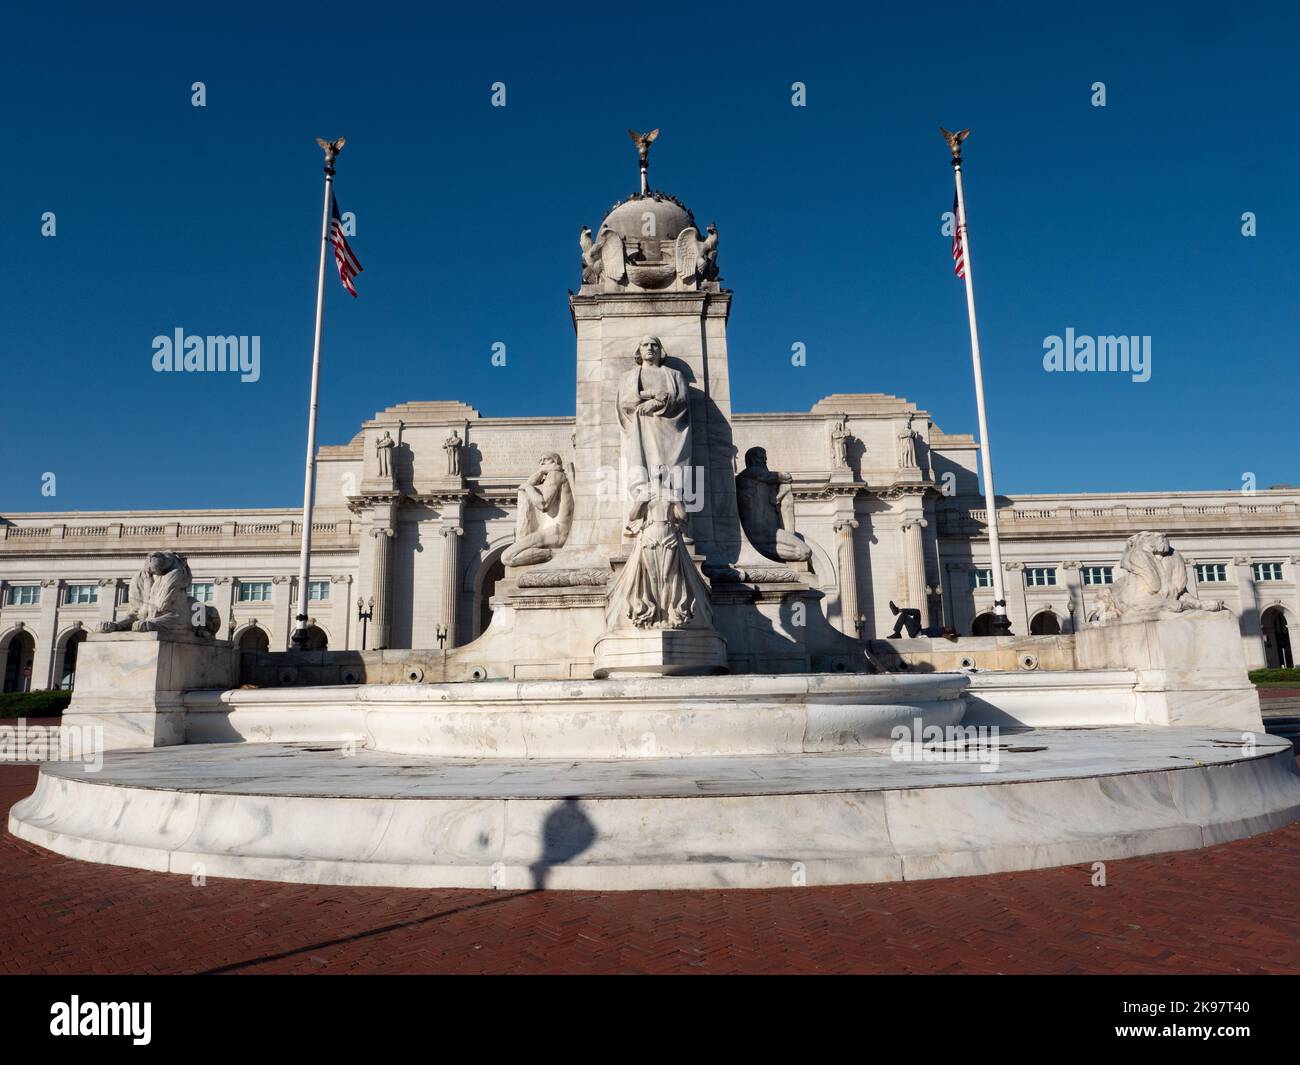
{"points": [[1117, 220]]}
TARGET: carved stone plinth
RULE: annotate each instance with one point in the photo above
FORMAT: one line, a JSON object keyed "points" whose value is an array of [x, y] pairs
{"points": [[660, 653], [1191, 669], [131, 684]]}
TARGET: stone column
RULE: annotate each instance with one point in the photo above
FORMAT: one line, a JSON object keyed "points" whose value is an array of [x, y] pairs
{"points": [[846, 559], [47, 632], [451, 535], [1251, 630], [223, 598], [283, 602], [1017, 600], [914, 567], [1073, 584], [107, 606], [381, 581]]}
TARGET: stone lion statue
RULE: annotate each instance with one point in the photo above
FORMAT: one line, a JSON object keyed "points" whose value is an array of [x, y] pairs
{"points": [[1152, 581], [159, 600]]}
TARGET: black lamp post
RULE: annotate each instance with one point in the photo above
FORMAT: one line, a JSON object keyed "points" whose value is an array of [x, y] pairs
{"points": [[365, 611]]}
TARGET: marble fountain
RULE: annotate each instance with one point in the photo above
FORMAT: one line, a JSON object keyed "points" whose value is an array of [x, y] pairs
{"points": [[659, 700]]}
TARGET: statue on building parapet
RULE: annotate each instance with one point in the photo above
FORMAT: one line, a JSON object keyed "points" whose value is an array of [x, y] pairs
{"points": [[840, 437], [907, 437], [383, 452], [453, 445], [545, 514], [766, 504], [159, 600], [1151, 583]]}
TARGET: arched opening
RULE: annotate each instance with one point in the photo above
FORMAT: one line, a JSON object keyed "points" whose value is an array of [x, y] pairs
{"points": [[1045, 623], [254, 639], [983, 625], [492, 571], [316, 639], [1277, 639], [68, 670], [19, 662]]}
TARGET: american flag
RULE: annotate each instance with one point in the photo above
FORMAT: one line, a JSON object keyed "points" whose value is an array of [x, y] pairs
{"points": [[348, 265], [958, 252]]}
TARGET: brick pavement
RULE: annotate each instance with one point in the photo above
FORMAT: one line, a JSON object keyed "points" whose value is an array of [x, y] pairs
{"points": [[1230, 909]]}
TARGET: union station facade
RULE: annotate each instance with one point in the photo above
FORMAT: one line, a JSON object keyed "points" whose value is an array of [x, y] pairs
{"points": [[410, 530]]}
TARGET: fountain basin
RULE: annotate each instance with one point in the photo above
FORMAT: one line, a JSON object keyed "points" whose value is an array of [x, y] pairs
{"points": [[618, 718]]}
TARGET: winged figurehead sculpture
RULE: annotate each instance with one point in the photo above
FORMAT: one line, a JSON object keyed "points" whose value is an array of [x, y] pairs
{"points": [[605, 256], [696, 258], [331, 150], [643, 142], [954, 141]]}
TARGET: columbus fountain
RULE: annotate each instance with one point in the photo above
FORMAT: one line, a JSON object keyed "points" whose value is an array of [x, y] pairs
{"points": [[614, 726]]}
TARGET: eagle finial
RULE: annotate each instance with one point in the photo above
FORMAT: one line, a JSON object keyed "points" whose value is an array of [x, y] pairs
{"points": [[643, 142], [331, 150], [954, 141]]}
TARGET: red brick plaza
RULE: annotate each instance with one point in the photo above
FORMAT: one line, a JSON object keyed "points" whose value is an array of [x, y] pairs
{"points": [[1230, 909]]}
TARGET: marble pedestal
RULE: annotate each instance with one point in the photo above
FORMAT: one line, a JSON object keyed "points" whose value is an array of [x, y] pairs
{"points": [[633, 652], [132, 684], [1190, 668]]}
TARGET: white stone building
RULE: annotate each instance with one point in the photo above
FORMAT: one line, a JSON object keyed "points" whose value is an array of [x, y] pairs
{"points": [[414, 513], [426, 543]]}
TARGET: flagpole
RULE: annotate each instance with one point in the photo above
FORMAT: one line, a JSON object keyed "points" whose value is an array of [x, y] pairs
{"points": [[331, 150], [1001, 623]]}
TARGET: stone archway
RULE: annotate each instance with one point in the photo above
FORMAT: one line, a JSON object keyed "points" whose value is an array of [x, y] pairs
{"points": [[490, 572], [983, 624], [317, 639], [20, 658], [253, 638], [1045, 623], [1277, 639], [67, 658]]}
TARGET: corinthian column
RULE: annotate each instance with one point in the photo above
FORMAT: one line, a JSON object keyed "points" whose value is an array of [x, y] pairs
{"points": [[848, 565], [381, 580], [450, 579], [914, 567]]}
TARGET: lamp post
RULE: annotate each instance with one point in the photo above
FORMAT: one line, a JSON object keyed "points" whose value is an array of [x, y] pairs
{"points": [[364, 616]]}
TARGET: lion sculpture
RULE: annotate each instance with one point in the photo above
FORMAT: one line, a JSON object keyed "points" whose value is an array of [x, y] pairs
{"points": [[159, 600], [1152, 581]]}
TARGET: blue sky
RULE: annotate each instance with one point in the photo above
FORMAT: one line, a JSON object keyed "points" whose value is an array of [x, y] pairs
{"points": [[1117, 220]]}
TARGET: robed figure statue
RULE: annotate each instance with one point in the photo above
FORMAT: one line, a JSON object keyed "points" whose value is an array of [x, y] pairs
{"points": [[654, 415]]}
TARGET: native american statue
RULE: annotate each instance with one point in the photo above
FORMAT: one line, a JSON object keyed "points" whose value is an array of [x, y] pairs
{"points": [[766, 504], [159, 600], [544, 515], [1152, 581]]}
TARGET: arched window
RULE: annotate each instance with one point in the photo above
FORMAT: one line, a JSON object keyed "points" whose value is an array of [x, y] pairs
{"points": [[19, 661], [1045, 623], [316, 639], [68, 671], [983, 625], [1277, 639]]}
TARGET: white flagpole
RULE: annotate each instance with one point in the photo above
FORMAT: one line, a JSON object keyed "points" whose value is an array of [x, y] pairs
{"points": [[1001, 623], [331, 150]]}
